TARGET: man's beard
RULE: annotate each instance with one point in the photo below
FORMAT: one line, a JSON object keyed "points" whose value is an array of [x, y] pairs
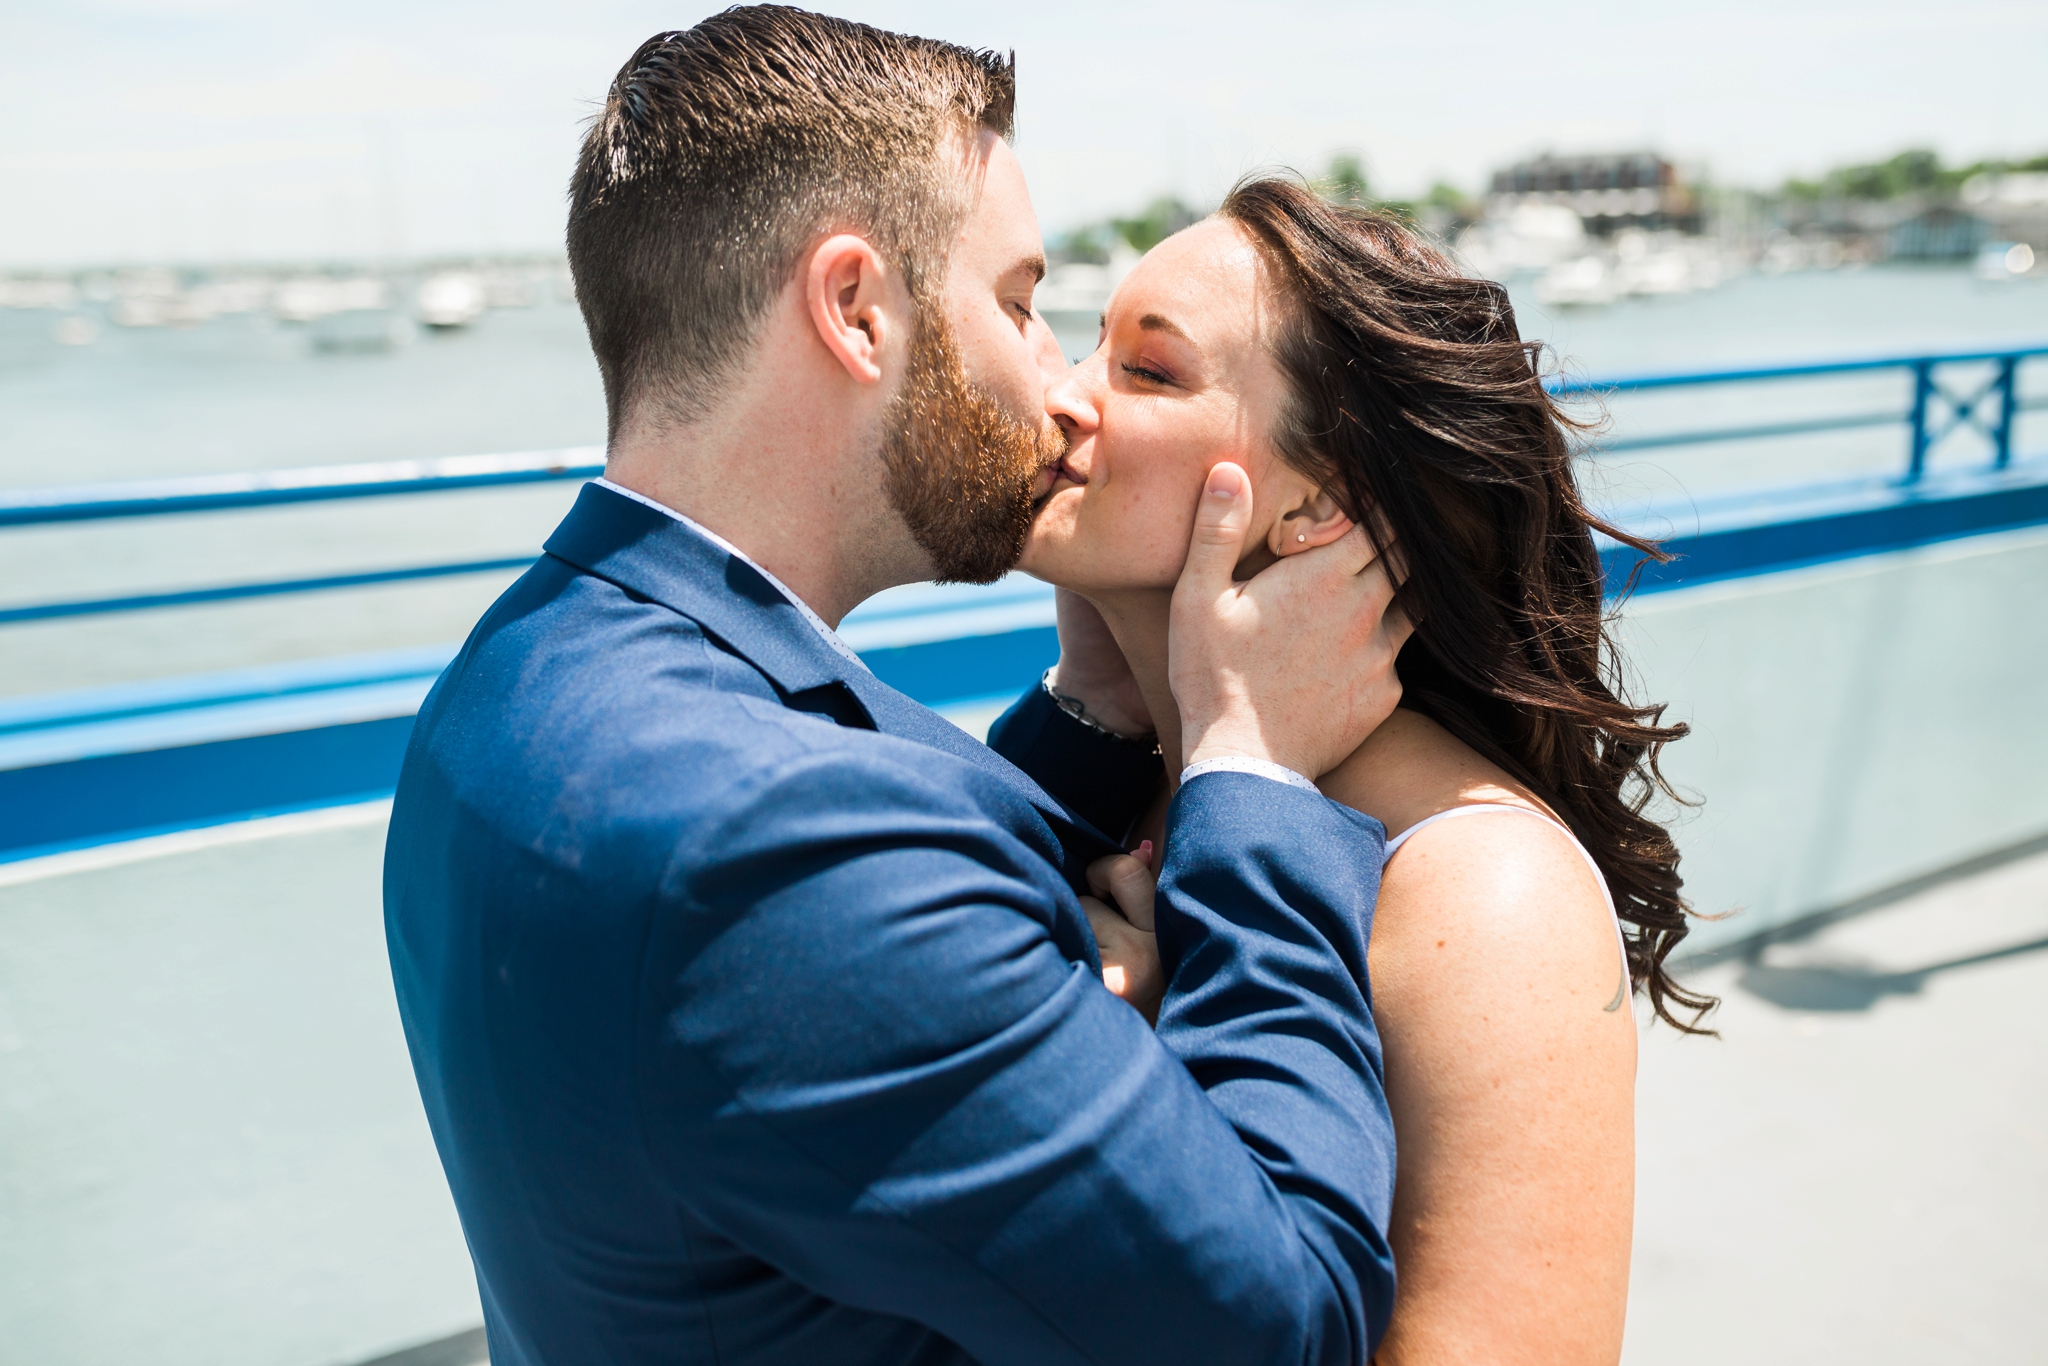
{"points": [[960, 466]]}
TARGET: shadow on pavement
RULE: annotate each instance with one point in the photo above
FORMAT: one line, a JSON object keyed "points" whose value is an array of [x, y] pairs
{"points": [[1843, 986], [463, 1349]]}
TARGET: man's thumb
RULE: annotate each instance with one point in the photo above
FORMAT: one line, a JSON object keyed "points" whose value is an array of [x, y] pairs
{"points": [[1221, 520]]}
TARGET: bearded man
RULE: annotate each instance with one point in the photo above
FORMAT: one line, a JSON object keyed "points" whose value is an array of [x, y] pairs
{"points": [[757, 1010]]}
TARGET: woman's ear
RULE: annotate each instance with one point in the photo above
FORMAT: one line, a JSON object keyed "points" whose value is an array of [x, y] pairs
{"points": [[1309, 517]]}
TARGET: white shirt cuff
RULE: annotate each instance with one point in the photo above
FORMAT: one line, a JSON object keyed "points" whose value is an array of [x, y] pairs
{"points": [[1263, 768]]}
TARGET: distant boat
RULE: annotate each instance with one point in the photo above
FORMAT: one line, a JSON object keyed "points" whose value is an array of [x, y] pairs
{"points": [[1638, 264], [38, 292], [1530, 237], [362, 330], [1998, 261], [308, 297], [154, 310], [1583, 282], [151, 298], [510, 288], [451, 299]]}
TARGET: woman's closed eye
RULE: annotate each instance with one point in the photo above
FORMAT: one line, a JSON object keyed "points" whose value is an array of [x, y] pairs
{"points": [[1146, 373]]}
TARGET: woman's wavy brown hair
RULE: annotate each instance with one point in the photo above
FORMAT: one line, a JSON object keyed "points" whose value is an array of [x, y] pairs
{"points": [[1418, 405]]}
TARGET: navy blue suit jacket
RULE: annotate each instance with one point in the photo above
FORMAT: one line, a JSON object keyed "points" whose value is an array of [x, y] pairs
{"points": [[757, 1020]]}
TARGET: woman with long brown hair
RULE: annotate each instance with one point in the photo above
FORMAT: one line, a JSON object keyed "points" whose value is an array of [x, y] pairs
{"points": [[1355, 376]]}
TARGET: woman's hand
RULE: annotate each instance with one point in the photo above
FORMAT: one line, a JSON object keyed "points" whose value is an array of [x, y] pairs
{"points": [[1123, 930]]}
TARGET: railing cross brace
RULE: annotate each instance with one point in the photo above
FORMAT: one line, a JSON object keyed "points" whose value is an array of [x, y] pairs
{"points": [[1961, 412]]}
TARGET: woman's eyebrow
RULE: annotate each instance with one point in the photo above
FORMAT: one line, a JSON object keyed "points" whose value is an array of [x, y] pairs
{"points": [[1153, 322]]}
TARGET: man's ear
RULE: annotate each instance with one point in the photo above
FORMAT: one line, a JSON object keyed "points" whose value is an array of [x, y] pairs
{"points": [[1309, 517], [860, 308]]}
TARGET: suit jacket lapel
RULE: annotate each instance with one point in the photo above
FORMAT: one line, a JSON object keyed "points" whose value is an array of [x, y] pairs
{"points": [[651, 554]]}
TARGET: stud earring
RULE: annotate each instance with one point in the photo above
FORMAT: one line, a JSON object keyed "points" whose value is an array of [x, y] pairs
{"points": [[1302, 536]]}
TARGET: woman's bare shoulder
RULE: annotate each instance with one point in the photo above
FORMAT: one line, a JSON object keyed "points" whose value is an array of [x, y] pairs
{"points": [[1497, 908], [1475, 907], [1411, 768]]}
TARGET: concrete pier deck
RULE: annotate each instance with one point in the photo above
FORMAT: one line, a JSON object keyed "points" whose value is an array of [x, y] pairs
{"points": [[211, 1152], [1857, 1170]]}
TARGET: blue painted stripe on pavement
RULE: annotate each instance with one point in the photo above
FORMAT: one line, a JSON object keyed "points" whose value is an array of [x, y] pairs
{"points": [[1856, 519], [115, 796]]}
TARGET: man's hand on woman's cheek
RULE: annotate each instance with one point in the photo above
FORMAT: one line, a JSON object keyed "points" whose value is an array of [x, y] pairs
{"points": [[1293, 666]]}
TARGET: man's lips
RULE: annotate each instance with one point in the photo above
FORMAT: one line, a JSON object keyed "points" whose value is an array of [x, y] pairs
{"points": [[1049, 480], [1050, 476]]}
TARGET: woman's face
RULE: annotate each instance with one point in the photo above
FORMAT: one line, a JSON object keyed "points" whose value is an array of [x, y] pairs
{"points": [[1181, 380]]}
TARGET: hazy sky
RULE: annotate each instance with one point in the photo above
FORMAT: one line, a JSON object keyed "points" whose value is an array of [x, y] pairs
{"points": [[203, 129]]}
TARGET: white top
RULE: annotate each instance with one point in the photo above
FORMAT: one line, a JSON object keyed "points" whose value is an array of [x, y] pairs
{"points": [[1599, 878], [817, 622]]}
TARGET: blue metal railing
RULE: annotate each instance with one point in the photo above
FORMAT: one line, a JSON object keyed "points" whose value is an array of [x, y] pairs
{"points": [[1927, 428], [273, 488], [44, 506]]}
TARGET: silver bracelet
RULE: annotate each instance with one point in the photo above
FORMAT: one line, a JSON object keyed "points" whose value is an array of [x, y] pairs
{"points": [[1072, 707]]}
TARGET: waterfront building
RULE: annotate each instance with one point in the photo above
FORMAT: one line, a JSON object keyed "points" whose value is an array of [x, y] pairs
{"points": [[2015, 205], [1608, 192]]}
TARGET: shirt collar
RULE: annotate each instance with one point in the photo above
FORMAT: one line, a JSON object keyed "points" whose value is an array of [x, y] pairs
{"points": [[817, 622]]}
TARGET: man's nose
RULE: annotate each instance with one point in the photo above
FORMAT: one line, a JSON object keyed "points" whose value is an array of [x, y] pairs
{"points": [[1052, 362]]}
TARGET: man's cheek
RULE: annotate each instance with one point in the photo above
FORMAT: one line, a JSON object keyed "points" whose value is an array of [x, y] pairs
{"points": [[1018, 374]]}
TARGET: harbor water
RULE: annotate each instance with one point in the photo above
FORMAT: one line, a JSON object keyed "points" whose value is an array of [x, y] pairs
{"points": [[85, 400]]}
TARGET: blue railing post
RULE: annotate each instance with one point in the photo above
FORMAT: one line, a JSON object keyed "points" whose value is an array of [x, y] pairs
{"points": [[1923, 391], [2008, 399]]}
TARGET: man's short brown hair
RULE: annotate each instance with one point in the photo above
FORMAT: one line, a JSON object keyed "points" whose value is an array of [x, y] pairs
{"points": [[724, 151]]}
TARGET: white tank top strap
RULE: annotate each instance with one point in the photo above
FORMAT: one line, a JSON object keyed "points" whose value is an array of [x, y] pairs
{"points": [[1599, 878]]}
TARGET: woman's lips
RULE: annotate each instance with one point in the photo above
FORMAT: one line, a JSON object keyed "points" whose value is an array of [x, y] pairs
{"points": [[1051, 479]]}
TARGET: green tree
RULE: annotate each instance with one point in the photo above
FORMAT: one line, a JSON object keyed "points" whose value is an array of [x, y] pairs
{"points": [[1162, 218], [1089, 245], [1447, 197]]}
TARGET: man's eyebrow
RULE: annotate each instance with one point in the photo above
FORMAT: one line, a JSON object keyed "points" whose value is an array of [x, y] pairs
{"points": [[1033, 264], [1153, 322]]}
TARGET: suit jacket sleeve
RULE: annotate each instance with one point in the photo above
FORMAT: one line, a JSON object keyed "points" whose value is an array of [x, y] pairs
{"points": [[866, 1059], [1105, 781]]}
